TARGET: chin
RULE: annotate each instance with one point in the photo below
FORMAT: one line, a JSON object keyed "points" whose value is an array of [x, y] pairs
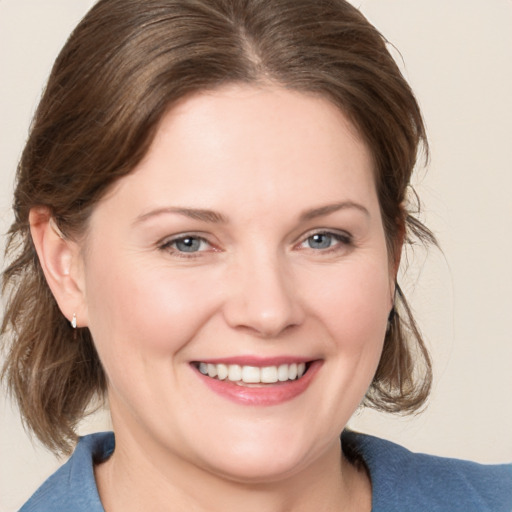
{"points": [[261, 459], [261, 469]]}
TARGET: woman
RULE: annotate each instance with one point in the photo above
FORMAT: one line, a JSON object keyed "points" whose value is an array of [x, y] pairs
{"points": [[211, 209]]}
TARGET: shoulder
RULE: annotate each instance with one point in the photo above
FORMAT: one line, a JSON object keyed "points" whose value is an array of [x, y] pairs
{"points": [[73, 487], [403, 480]]}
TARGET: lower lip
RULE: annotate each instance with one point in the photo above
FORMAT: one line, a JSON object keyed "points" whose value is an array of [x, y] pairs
{"points": [[267, 394]]}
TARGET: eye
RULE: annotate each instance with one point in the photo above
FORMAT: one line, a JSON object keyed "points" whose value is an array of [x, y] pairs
{"points": [[325, 240], [320, 241], [188, 244]]}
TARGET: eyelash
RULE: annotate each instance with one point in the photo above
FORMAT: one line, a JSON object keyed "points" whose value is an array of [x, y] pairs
{"points": [[169, 245], [339, 239], [342, 239]]}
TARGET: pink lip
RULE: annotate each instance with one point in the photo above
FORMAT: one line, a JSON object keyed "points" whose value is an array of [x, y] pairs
{"points": [[265, 395]]}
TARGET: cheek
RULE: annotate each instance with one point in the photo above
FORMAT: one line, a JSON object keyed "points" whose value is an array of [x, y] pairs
{"points": [[355, 304], [136, 310], [354, 309]]}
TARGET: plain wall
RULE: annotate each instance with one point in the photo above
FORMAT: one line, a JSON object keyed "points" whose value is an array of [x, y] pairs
{"points": [[458, 59]]}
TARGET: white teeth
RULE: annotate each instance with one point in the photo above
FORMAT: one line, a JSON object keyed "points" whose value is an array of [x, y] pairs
{"points": [[234, 372], [282, 373], [269, 374], [212, 370], [222, 371], [253, 374]]}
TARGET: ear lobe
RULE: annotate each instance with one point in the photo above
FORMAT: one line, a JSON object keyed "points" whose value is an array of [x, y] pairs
{"points": [[61, 263]]}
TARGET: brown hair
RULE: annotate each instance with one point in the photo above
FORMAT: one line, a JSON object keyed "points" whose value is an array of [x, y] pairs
{"points": [[123, 67]]}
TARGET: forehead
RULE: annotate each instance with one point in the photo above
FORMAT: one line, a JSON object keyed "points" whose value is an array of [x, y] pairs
{"points": [[250, 110], [268, 145]]}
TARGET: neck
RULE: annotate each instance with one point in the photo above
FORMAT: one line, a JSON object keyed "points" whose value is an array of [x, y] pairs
{"points": [[137, 478]]}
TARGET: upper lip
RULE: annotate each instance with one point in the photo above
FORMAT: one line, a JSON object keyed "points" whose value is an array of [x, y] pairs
{"points": [[257, 361]]}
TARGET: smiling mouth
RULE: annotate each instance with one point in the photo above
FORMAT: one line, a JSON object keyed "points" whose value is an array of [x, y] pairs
{"points": [[253, 375]]}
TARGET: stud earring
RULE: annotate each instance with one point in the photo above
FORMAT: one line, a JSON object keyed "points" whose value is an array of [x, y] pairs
{"points": [[73, 321]]}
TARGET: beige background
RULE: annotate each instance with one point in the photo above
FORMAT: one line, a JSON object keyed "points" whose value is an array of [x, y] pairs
{"points": [[458, 58]]}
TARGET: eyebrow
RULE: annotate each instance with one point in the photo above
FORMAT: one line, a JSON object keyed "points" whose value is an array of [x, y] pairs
{"points": [[214, 217], [331, 208], [193, 213]]}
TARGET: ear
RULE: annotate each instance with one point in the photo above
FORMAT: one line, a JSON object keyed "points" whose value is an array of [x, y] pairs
{"points": [[62, 264]]}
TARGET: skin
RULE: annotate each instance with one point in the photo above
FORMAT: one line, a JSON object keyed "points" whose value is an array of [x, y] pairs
{"points": [[270, 164]]}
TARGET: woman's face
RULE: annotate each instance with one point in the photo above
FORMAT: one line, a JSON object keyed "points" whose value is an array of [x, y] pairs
{"points": [[249, 241]]}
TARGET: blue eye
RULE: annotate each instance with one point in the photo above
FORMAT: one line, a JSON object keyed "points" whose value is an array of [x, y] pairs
{"points": [[323, 241], [186, 244], [320, 241]]}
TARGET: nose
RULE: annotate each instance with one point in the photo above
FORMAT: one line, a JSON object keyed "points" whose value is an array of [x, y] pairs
{"points": [[261, 297]]}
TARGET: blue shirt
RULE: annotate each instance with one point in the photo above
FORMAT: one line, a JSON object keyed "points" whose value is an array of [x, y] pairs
{"points": [[401, 480]]}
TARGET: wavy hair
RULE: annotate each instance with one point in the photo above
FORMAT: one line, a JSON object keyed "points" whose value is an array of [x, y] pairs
{"points": [[123, 67]]}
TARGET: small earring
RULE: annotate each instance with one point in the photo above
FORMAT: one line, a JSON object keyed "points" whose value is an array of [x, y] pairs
{"points": [[73, 321]]}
